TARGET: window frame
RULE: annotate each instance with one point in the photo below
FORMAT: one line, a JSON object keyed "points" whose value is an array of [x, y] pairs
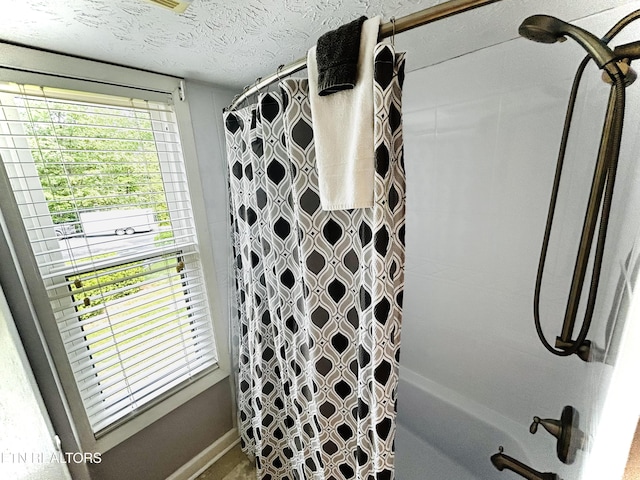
{"points": [[29, 66]]}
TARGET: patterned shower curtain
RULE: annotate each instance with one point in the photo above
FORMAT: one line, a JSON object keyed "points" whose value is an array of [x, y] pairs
{"points": [[318, 294]]}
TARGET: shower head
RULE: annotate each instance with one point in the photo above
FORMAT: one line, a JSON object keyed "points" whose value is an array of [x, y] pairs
{"points": [[543, 29], [547, 29]]}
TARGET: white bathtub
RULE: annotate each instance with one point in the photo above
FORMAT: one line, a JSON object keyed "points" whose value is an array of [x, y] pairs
{"points": [[444, 436]]}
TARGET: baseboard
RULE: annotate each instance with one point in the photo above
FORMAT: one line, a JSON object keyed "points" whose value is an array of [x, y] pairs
{"points": [[207, 457]]}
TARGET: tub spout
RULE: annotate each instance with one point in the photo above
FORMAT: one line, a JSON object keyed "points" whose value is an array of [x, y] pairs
{"points": [[502, 461]]}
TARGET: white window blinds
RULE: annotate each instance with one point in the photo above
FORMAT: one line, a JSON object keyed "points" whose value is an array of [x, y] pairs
{"points": [[101, 187]]}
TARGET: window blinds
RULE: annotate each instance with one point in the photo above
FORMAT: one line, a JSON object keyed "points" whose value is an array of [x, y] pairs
{"points": [[101, 187]]}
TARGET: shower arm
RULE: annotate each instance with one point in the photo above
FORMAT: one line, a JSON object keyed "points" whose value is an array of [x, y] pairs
{"points": [[604, 174]]}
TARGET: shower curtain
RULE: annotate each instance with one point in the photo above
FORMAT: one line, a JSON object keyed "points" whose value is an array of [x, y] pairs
{"points": [[318, 294]]}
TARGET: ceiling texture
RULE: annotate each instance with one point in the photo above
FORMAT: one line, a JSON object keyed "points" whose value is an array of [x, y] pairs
{"points": [[233, 42]]}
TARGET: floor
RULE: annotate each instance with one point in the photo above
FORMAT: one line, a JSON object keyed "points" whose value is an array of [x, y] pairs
{"points": [[234, 465], [633, 466]]}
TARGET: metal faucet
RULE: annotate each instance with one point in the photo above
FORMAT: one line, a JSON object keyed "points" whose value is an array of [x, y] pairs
{"points": [[502, 461]]}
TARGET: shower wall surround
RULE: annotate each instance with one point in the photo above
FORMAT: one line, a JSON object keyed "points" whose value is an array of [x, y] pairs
{"points": [[481, 139]]}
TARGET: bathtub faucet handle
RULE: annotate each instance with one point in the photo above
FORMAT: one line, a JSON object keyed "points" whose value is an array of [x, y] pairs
{"points": [[552, 426], [565, 430]]}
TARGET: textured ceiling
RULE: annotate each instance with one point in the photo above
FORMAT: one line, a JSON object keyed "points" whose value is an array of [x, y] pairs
{"points": [[231, 42]]}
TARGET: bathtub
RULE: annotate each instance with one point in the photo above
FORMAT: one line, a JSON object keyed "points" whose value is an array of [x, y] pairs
{"points": [[442, 435]]}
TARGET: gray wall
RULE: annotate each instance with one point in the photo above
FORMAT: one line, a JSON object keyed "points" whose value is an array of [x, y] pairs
{"points": [[24, 424], [164, 446], [206, 103]]}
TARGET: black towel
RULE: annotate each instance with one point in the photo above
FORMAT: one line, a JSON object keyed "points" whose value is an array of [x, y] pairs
{"points": [[337, 55]]}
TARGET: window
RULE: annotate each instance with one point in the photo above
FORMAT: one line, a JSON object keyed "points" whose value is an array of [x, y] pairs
{"points": [[101, 188]]}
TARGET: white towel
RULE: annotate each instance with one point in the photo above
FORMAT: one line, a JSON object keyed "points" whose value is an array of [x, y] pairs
{"points": [[343, 131]]}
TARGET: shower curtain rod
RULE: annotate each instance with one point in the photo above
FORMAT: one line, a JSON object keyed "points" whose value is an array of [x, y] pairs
{"points": [[408, 22]]}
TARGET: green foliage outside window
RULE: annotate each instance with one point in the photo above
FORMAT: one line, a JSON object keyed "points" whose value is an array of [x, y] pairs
{"points": [[91, 157], [97, 285]]}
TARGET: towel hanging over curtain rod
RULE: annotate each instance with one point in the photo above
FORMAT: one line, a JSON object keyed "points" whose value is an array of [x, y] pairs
{"points": [[408, 22]]}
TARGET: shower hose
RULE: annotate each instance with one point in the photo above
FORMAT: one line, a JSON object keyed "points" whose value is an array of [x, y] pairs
{"points": [[610, 151]]}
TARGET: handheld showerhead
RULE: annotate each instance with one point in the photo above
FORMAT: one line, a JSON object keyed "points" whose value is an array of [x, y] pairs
{"points": [[543, 29], [548, 29]]}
